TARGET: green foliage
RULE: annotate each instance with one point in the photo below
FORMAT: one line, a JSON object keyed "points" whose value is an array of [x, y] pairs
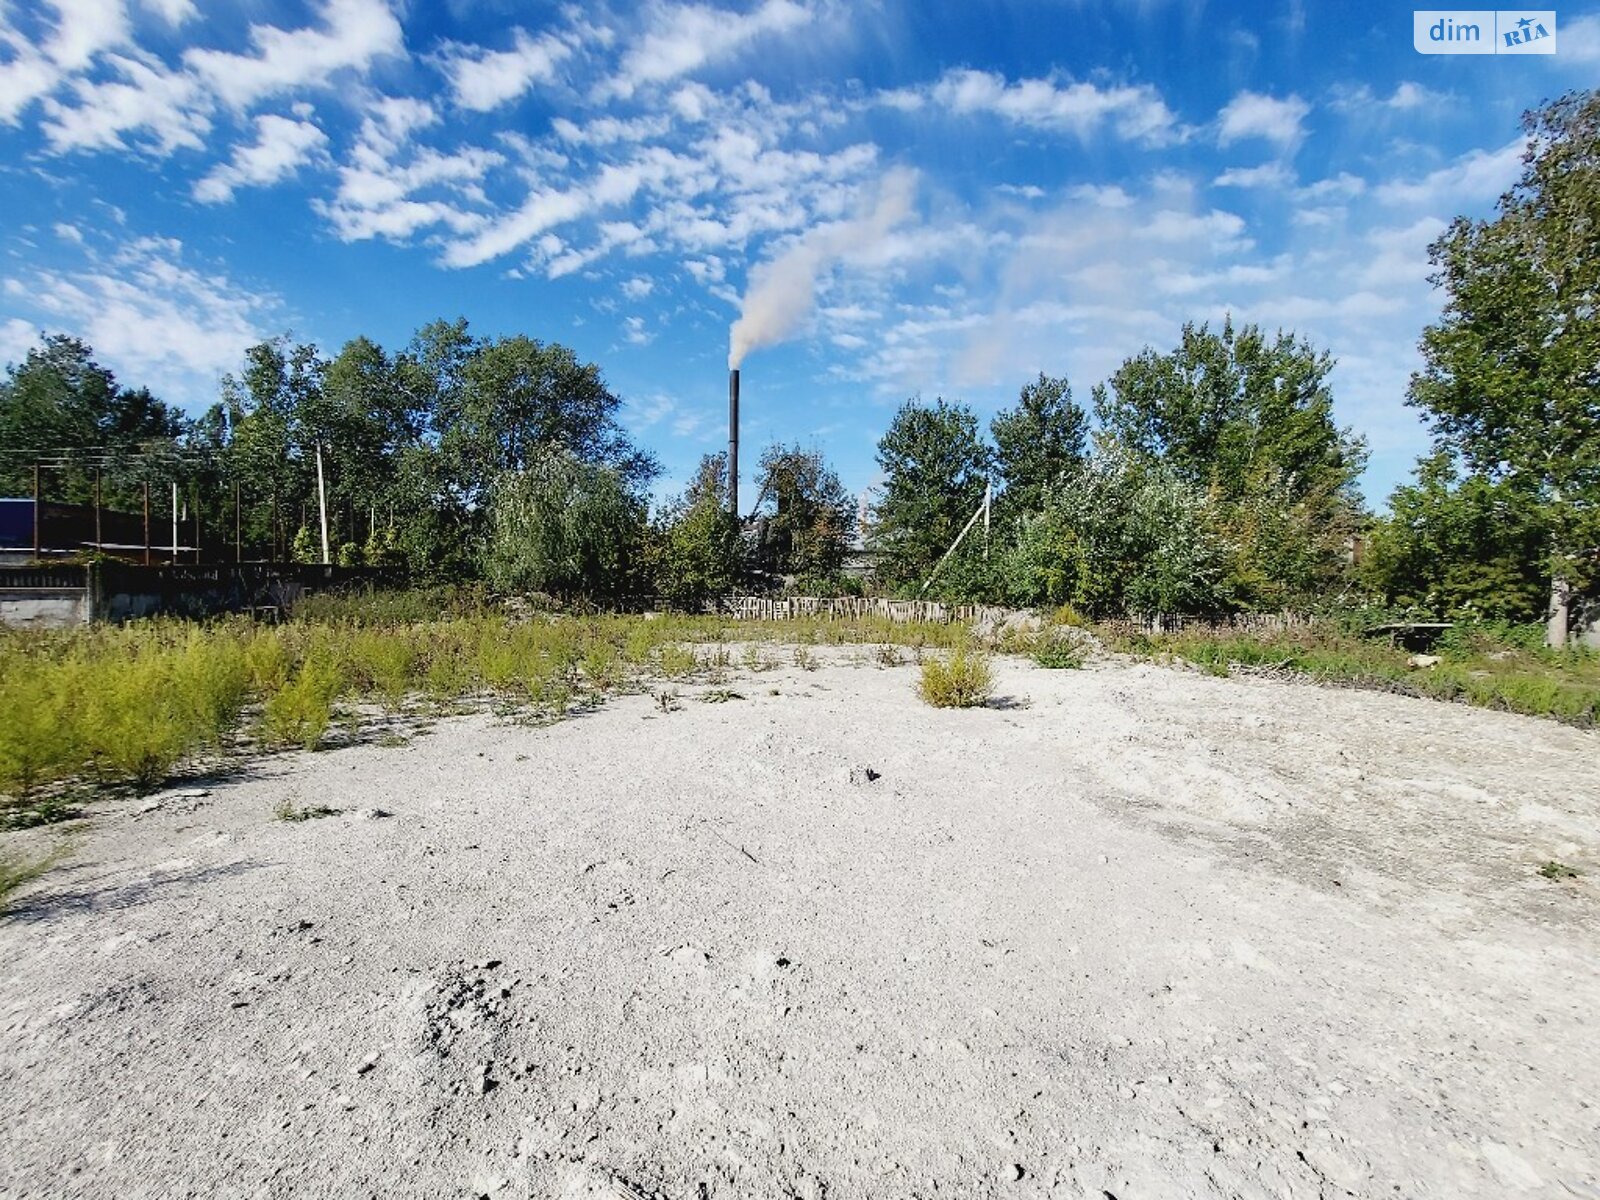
{"points": [[1038, 442], [696, 550], [1564, 685], [306, 548], [1059, 654], [1118, 534], [964, 680], [934, 470], [807, 517], [1559, 870], [564, 527], [1509, 382], [299, 714]]}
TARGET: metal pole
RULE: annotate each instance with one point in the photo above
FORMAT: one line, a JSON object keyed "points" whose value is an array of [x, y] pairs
{"points": [[174, 522], [197, 526], [322, 505], [36, 546], [733, 444], [238, 527], [99, 540], [147, 522]]}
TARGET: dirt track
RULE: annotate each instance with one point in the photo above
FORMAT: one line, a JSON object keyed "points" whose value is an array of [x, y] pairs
{"points": [[1134, 932]]}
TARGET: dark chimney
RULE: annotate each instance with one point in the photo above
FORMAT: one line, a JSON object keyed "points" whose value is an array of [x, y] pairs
{"points": [[733, 443]]}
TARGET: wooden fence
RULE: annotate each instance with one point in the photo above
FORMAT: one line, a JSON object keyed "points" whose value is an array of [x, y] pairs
{"points": [[768, 608]]}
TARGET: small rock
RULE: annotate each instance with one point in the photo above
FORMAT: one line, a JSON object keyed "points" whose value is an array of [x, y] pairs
{"points": [[1017, 1172], [367, 1063], [487, 964], [1424, 661], [862, 775], [192, 793], [372, 814], [147, 808]]}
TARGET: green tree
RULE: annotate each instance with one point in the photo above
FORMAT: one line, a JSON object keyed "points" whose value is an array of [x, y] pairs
{"points": [[516, 396], [807, 516], [62, 406], [563, 526], [696, 547], [1119, 533], [935, 469], [1511, 381], [1249, 420], [1037, 442], [1453, 547]]}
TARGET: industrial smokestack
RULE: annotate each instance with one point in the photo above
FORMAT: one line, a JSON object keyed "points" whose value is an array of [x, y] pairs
{"points": [[733, 443]]}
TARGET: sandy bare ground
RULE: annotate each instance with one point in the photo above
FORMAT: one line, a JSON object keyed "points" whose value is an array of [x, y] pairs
{"points": [[1135, 933]]}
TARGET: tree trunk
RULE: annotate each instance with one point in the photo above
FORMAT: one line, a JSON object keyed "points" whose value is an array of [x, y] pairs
{"points": [[1556, 627]]}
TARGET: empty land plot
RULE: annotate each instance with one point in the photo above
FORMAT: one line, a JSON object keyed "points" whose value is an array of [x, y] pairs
{"points": [[1128, 932]]}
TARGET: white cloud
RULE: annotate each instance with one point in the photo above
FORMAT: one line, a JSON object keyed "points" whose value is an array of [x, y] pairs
{"points": [[173, 12], [151, 316], [638, 287], [354, 33], [1137, 112], [634, 332], [1253, 115], [1579, 41], [1476, 176], [485, 79], [281, 146], [68, 233], [17, 337], [390, 188], [684, 37], [84, 28], [1267, 175], [1406, 97], [165, 109]]}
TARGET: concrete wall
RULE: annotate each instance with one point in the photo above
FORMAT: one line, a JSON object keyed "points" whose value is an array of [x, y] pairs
{"points": [[44, 607]]}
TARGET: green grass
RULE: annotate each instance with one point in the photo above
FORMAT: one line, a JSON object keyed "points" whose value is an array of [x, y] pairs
{"points": [[130, 705], [1483, 667], [1556, 870]]}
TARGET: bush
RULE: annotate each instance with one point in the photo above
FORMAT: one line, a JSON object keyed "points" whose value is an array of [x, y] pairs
{"points": [[1059, 655], [300, 713], [965, 680]]}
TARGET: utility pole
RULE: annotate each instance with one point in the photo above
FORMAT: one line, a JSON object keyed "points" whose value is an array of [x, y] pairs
{"points": [[174, 522], [147, 522], [99, 541], [238, 527], [36, 545], [322, 505]]}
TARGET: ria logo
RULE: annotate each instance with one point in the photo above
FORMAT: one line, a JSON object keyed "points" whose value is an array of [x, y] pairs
{"points": [[1459, 31]]}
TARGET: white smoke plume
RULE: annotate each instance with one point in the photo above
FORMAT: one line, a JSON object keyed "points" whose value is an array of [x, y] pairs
{"points": [[782, 292]]}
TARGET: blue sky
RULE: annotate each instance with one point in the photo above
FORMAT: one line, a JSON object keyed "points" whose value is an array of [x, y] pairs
{"points": [[897, 198]]}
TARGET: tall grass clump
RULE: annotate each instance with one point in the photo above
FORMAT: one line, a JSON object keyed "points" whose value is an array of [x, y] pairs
{"points": [[299, 714], [38, 744], [964, 680]]}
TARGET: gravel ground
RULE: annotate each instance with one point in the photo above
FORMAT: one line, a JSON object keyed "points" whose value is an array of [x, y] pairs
{"points": [[1130, 932]]}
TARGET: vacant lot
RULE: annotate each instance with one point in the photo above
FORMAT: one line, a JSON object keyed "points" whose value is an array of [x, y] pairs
{"points": [[1129, 932]]}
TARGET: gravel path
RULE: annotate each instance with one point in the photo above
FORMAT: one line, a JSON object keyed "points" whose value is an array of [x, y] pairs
{"points": [[1132, 932]]}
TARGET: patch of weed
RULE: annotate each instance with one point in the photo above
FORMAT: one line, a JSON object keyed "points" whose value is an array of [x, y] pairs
{"points": [[964, 680]]}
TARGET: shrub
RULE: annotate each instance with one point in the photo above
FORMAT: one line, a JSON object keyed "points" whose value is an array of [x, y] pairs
{"points": [[300, 713], [1059, 655], [965, 680]]}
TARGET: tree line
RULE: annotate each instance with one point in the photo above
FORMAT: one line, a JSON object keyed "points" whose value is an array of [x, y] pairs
{"points": [[1208, 478]]}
